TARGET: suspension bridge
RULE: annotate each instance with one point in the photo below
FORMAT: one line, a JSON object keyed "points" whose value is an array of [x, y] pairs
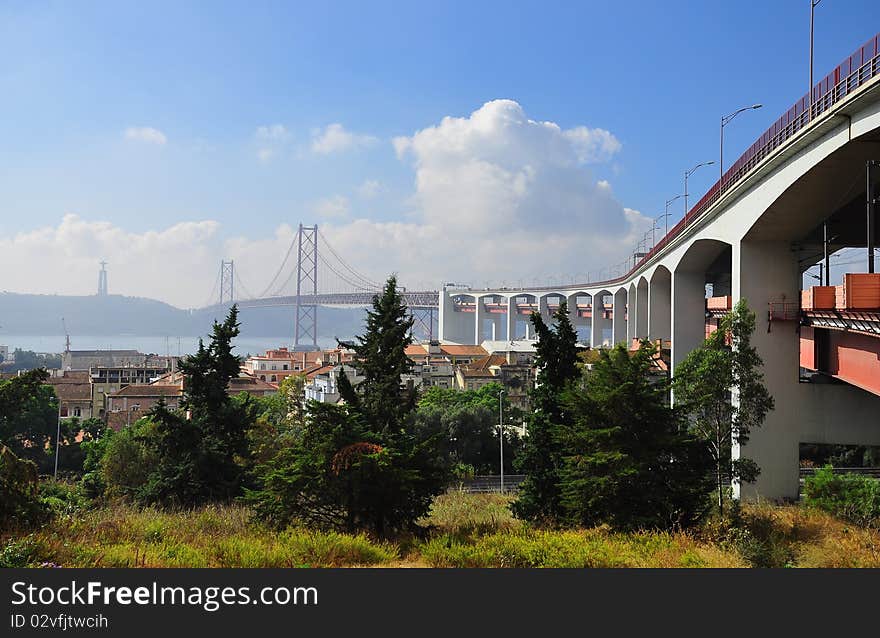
{"points": [[313, 274]]}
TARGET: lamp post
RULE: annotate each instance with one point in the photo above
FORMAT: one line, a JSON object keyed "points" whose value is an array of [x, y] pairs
{"points": [[501, 433], [725, 120], [813, 4], [688, 174], [666, 212]]}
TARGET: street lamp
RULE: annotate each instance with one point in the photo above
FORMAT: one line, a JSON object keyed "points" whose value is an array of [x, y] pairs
{"points": [[688, 174], [501, 433], [813, 4], [725, 120], [666, 213]]}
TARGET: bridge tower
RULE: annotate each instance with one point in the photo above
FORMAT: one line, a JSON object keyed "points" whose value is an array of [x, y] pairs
{"points": [[306, 322], [227, 287]]}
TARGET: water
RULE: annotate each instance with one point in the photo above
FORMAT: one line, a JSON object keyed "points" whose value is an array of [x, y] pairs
{"points": [[148, 345]]}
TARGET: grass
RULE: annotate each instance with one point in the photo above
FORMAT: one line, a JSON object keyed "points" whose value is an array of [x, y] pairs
{"points": [[461, 530], [215, 536]]}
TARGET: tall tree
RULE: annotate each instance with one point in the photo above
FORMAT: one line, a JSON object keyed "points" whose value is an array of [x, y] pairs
{"points": [[721, 388], [380, 357], [541, 458], [628, 461], [365, 464], [201, 447]]}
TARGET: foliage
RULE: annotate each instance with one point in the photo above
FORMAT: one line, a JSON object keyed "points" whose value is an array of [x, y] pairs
{"points": [[211, 536], [541, 459], [469, 422], [380, 357], [628, 459], [852, 497], [28, 416], [720, 387], [367, 464], [20, 505], [30, 360], [199, 451]]}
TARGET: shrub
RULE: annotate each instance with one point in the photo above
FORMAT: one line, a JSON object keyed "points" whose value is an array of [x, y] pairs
{"points": [[852, 497], [20, 506]]}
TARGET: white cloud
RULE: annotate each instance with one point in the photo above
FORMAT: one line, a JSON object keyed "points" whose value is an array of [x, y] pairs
{"points": [[334, 139], [369, 189], [273, 132], [146, 134], [270, 138], [336, 206], [174, 264], [593, 145], [498, 196]]}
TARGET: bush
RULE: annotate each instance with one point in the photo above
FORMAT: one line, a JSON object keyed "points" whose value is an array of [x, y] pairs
{"points": [[20, 506], [852, 497]]}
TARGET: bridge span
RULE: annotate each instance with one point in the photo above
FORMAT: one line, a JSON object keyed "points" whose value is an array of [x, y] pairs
{"points": [[808, 187]]}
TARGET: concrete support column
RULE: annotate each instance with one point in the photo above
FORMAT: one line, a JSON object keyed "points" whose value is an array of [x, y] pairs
{"points": [[659, 310], [479, 319], [511, 318], [688, 314], [619, 322], [765, 271], [598, 323], [455, 327], [641, 310], [631, 315]]}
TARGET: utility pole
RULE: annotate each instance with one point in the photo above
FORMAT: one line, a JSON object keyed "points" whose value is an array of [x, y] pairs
{"points": [[501, 433]]}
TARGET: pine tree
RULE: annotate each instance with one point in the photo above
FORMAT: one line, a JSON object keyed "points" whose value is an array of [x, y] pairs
{"points": [[628, 461], [380, 357], [201, 448], [541, 459]]}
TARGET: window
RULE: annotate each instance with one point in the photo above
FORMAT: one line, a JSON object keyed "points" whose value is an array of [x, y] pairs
{"points": [[274, 367], [262, 377], [274, 378], [285, 367], [77, 411], [63, 410]]}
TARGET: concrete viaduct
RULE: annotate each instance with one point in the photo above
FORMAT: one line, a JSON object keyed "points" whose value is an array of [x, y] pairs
{"points": [[752, 237]]}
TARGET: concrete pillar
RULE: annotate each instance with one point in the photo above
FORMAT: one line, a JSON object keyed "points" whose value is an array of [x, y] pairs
{"points": [[511, 318], [765, 271], [641, 309], [599, 322], [619, 322], [455, 327], [631, 314], [659, 310], [688, 314], [479, 320]]}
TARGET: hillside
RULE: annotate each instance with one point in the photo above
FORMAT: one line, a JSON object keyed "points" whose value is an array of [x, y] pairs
{"points": [[117, 315]]}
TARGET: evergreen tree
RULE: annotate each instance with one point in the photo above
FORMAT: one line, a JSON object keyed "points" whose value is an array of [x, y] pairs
{"points": [[541, 458], [366, 464], [628, 461], [201, 447], [721, 387], [380, 357]]}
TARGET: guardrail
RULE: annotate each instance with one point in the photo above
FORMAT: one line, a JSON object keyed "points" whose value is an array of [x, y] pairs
{"points": [[488, 483]]}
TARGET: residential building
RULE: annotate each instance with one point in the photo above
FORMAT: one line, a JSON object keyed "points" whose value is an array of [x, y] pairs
{"points": [[276, 365], [74, 392], [323, 386], [127, 405]]}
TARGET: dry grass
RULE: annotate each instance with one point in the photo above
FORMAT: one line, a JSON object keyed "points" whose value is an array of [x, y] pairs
{"points": [[463, 530], [226, 536]]}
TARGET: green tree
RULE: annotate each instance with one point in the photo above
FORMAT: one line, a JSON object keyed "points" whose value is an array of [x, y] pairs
{"points": [[628, 460], [29, 416], [366, 464], [201, 448], [380, 357], [720, 386], [541, 458]]}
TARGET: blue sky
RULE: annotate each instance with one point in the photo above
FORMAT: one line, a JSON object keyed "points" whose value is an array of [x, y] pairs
{"points": [[140, 116]]}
